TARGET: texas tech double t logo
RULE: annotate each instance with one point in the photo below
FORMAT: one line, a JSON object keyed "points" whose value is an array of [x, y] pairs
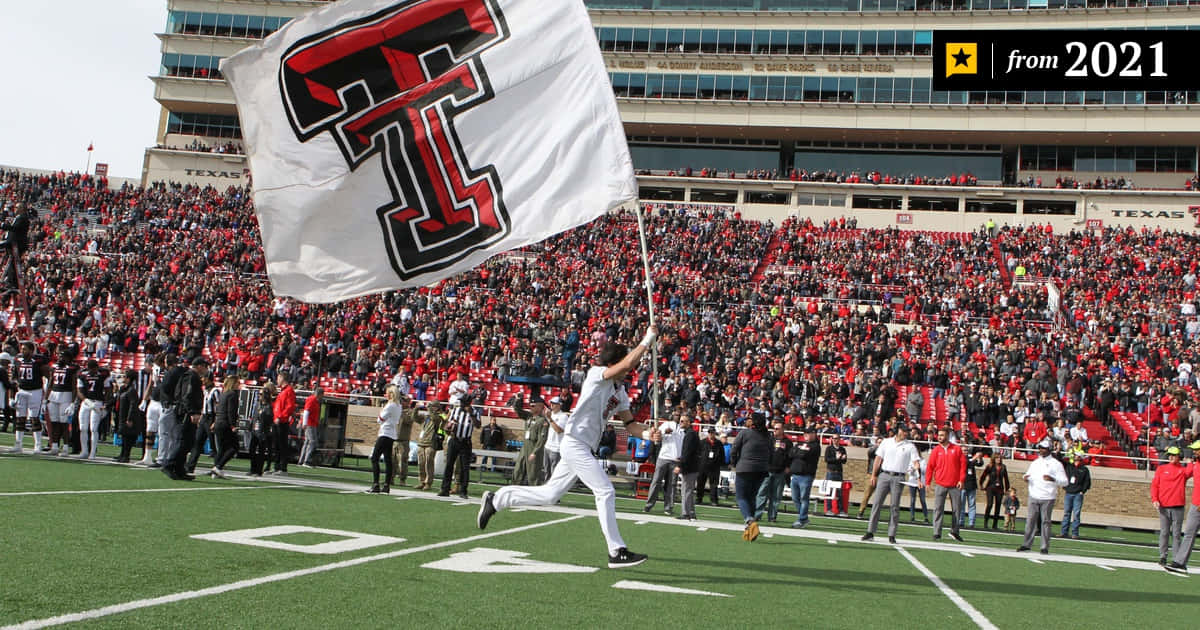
{"points": [[392, 83]]}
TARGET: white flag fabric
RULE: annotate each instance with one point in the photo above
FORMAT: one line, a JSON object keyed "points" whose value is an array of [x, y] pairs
{"points": [[396, 143]]}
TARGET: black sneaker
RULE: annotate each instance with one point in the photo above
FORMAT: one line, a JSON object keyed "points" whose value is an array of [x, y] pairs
{"points": [[486, 510], [866, 537], [373, 490], [937, 537], [1044, 552], [1175, 567], [1162, 561], [1022, 548], [625, 558], [892, 539], [956, 536], [647, 508]]}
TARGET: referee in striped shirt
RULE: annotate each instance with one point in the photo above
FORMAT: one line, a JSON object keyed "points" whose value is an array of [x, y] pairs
{"points": [[460, 425]]}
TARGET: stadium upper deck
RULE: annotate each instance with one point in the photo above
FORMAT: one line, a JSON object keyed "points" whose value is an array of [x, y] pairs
{"points": [[837, 87]]}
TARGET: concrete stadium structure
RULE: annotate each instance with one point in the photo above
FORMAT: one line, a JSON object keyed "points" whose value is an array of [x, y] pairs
{"points": [[767, 86]]}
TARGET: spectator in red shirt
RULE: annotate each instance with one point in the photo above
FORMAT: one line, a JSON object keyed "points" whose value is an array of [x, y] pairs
{"points": [[284, 408], [1035, 430], [946, 470], [310, 419]]}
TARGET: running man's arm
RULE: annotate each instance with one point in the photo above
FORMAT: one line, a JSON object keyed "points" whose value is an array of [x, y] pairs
{"points": [[619, 370]]}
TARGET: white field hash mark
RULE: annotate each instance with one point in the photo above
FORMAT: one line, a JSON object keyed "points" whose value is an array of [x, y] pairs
{"points": [[117, 609]]}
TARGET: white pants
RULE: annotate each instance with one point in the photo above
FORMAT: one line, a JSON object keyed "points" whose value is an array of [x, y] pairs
{"points": [[58, 409], [29, 403], [577, 463], [91, 412], [153, 413]]}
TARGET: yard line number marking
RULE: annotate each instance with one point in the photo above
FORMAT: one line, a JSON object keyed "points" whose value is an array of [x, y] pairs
{"points": [[117, 609]]}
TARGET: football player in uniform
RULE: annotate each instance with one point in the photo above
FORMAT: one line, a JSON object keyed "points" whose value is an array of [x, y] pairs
{"points": [[32, 376], [95, 387], [152, 406], [61, 402]]}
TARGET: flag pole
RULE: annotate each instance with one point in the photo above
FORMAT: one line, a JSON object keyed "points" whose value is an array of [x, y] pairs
{"points": [[89, 159], [650, 307]]}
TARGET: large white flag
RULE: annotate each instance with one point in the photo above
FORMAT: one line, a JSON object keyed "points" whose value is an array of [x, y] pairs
{"points": [[397, 142]]}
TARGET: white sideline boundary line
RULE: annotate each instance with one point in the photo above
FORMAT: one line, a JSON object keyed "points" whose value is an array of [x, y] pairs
{"points": [[134, 490], [962, 604], [117, 609]]}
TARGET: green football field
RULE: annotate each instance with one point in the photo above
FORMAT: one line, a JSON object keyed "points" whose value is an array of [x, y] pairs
{"points": [[107, 545]]}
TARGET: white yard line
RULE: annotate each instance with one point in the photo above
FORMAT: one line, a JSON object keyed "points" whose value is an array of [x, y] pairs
{"points": [[136, 490], [117, 609], [962, 604]]}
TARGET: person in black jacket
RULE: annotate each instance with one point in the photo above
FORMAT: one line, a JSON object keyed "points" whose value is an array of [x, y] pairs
{"points": [[1079, 481], [835, 460], [750, 455], [186, 390], [688, 467], [225, 425], [712, 461], [805, 456], [770, 494], [260, 430], [129, 421]]}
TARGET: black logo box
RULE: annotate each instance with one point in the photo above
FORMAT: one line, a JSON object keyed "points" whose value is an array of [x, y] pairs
{"points": [[1018, 60]]}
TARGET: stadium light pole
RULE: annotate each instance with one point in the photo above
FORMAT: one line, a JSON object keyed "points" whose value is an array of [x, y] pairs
{"points": [[650, 307]]}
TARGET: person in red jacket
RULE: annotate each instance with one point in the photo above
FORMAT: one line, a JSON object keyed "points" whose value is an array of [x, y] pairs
{"points": [[1168, 491], [284, 408], [946, 470], [310, 420]]}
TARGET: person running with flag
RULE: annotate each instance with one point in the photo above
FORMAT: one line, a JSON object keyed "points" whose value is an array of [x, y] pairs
{"points": [[602, 395]]}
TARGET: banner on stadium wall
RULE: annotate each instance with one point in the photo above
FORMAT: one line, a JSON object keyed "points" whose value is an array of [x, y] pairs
{"points": [[101, 169], [396, 143]]}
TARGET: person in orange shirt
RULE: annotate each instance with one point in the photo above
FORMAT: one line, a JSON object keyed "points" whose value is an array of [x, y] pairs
{"points": [[1184, 551], [283, 409]]}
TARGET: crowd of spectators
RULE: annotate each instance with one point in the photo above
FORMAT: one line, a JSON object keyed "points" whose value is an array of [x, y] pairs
{"points": [[830, 176], [196, 146], [827, 325]]}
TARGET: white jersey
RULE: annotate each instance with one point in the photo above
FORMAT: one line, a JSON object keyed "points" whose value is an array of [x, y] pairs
{"points": [[554, 437], [598, 399]]}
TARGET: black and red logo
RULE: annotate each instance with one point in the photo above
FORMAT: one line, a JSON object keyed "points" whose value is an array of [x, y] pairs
{"points": [[393, 83]]}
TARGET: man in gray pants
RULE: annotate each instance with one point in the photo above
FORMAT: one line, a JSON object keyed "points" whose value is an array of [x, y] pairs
{"points": [[946, 471], [1168, 493], [664, 468], [1044, 476], [167, 422], [892, 461], [1179, 564], [689, 467]]}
